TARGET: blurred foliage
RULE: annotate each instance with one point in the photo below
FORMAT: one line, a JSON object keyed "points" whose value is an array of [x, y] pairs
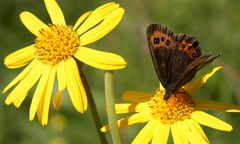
{"points": [[214, 23]]}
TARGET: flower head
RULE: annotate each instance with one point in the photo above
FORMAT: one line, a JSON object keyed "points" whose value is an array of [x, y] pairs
{"points": [[180, 114], [55, 51], [178, 107]]}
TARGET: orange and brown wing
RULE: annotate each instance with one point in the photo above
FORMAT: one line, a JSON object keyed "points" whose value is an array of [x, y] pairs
{"points": [[161, 43], [176, 58], [171, 54]]}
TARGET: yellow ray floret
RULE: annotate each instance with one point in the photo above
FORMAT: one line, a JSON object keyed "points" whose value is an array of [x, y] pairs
{"points": [[180, 115], [56, 53]]}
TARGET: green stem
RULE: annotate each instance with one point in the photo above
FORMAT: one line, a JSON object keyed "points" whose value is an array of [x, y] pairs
{"points": [[111, 112], [93, 108]]}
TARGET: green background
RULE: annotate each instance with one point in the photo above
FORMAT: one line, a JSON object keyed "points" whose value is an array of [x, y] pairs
{"points": [[214, 23]]}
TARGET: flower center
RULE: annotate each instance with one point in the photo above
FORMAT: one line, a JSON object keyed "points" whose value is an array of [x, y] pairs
{"points": [[177, 107], [56, 43]]}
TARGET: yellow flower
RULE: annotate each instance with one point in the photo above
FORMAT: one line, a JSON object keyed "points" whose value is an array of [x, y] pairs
{"points": [[180, 114], [54, 53]]}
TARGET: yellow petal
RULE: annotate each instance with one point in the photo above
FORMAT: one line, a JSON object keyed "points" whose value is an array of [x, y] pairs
{"points": [[25, 85], [77, 76], [40, 107], [210, 121], [161, 134], [99, 59], [133, 107], [81, 19], [213, 105], [57, 101], [140, 117], [32, 23], [146, 134], [161, 88], [20, 58], [136, 97], [21, 75], [184, 131], [55, 12], [103, 28], [97, 16], [192, 87], [75, 87], [31, 79], [39, 92], [20, 98], [196, 132], [62, 82], [195, 138], [47, 99], [178, 136]]}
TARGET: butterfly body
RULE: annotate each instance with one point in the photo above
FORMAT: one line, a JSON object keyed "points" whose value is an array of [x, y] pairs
{"points": [[176, 58]]}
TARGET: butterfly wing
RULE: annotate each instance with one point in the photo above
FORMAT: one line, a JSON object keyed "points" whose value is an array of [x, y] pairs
{"points": [[171, 54], [176, 58], [187, 52], [160, 44], [192, 69]]}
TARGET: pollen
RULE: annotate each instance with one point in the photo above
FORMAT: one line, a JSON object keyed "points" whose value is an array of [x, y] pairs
{"points": [[177, 108], [57, 43]]}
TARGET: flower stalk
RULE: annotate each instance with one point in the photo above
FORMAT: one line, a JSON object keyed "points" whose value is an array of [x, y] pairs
{"points": [[110, 103], [93, 108]]}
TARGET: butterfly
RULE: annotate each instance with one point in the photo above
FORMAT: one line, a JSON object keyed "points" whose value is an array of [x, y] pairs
{"points": [[176, 57]]}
